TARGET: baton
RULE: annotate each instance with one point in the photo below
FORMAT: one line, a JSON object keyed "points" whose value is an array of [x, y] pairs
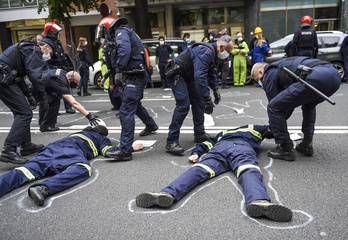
{"points": [[310, 86]]}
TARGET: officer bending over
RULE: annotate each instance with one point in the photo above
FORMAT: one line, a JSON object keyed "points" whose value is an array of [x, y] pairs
{"points": [[231, 150], [16, 62]]}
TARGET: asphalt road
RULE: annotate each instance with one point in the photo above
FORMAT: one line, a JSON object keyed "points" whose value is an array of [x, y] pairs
{"points": [[103, 207]]}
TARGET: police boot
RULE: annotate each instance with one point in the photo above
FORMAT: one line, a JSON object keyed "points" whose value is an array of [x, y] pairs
{"points": [[118, 155], [175, 148], [29, 148], [38, 194], [9, 154], [263, 208], [306, 146], [284, 151], [202, 138], [162, 199], [148, 131]]}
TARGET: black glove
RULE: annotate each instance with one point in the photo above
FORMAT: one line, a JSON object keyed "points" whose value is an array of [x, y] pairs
{"points": [[44, 105], [217, 96], [119, 80], [32, 102], [93, 120], [209, 106], [267, 134]]}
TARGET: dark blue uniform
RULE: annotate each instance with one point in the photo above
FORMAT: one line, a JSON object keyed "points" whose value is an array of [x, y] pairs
{"points": [[25, 58], [183, 45], [231, 150], [163, 53], [305, 43], [344, 51], [84, 68], [282, 103], [192, 88], [66, 159], [129, 48]]}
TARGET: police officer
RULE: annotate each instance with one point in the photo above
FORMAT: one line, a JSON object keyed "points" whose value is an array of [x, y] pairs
{"points": [[163, 54], [85, 63], [190, 86], [16, 62], [284, 95], [305, 41], [222, 64], [231, 150], [59, 59], [185, 44], [132, 76], [67, 159]]}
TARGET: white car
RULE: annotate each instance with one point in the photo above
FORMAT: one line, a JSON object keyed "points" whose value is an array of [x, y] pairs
{"points": [[95, 77]]}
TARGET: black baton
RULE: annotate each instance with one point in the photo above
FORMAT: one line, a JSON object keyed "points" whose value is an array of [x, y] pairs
{"points": [[310, 86]]}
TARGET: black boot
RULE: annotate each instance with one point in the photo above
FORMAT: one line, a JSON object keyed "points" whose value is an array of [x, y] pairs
{"points": [[175, 148], [284, 151], [38, 194], [9, 154], [306, 146], [29, 148], [201, 138], [148, 131], [118, 155]]}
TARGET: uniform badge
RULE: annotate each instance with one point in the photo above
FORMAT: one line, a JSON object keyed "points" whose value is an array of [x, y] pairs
{"points": [[58, 72], [119, 34]]}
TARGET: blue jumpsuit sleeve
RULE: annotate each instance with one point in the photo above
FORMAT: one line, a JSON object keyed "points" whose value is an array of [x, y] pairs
{"points": [[270, 83], [213, 80], [105, 145], [261, 128], [123, 45]]}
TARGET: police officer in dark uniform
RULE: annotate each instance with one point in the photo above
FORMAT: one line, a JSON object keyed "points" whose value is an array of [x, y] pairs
{"points": [[190, 86], [16, 62], [222, 64], [59, 59], [163, 54], [66, 159], [132, 76], [85, 63], [230, 150], [285, 94], [305, 41]]}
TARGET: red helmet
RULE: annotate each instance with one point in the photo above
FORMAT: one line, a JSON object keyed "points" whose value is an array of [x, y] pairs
{"points": [[306, 21], [107, 27], [107, 21], [52, 29]]}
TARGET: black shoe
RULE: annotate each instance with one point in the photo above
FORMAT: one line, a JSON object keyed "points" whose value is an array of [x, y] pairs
{"points": [[284, 151], [225, 87], [29, 148], [79, 93], [306, 149], [70, 110], [174, 148], [87, 94], [162, 199], [202, 138], [118, 155], [38, 194], [263, 208], [9, 155], [148, 131], [48, 129]]}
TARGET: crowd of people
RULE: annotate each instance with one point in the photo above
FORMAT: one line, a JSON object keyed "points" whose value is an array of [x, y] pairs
{"points": [[191, 76]]}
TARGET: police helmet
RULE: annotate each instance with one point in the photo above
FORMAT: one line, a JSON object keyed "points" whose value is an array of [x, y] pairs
{"points": [[52, 30], [306, 21], [107, 26]]}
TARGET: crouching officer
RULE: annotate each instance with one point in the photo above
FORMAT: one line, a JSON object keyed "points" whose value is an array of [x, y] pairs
{"points": [[190, 76], [132, 77], [16, 62], [284, 95]]}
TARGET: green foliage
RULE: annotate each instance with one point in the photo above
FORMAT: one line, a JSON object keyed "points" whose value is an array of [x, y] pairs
{"points": [[60, 9]]}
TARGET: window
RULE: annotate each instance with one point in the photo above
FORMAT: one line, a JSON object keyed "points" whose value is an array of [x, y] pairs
{"points": [[331, 41]]}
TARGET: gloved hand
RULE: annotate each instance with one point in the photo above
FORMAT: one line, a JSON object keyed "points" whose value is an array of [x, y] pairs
{"points": [[119, 79], [44, 105], [209, 106], [32, 102], [217, 96], [93, 120]]}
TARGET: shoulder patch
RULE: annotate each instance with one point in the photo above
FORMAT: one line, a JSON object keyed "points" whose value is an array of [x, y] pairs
{"points": [[58, 72], [119, 34]]}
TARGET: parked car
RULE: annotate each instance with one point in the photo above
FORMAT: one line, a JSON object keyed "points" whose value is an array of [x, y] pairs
{"points": [[95, 77], [329, 45]]}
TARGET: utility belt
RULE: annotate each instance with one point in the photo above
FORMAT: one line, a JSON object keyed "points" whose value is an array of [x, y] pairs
{"points": [[136, 71], [8, 75]]}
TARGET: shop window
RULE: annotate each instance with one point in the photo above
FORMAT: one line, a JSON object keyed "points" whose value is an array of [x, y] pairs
{"points": [[300, 2], [273, 24], [235, 15], [272, 3], [188, 17], [153, 17], [215, 16], [325, 13], [294, 18], [4, 4]]}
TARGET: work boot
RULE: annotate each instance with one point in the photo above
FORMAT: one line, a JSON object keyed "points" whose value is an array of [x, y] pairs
{"points": [[284, 151], [48, 129], [174, 148], [28, 148], [202, 138], [87, 94], [9, 154], [38, 194], [79, 93], [306, 146], [70, 111], [118, 155], [162, 199], [148, 131], [263, 208]]}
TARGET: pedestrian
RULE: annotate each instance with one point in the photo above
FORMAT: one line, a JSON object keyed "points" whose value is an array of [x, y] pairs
{"points": [[132, 76], [104, 68], [185, 44], [257, 32], [223, 64], [85, 63], [192, 74], [231, 150], [66, 160], [16, 62], [239, 61], [284, 95], [211, 37], [305, 41], [164, 53], [344, 51], [260, 50], [59, 59]]}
